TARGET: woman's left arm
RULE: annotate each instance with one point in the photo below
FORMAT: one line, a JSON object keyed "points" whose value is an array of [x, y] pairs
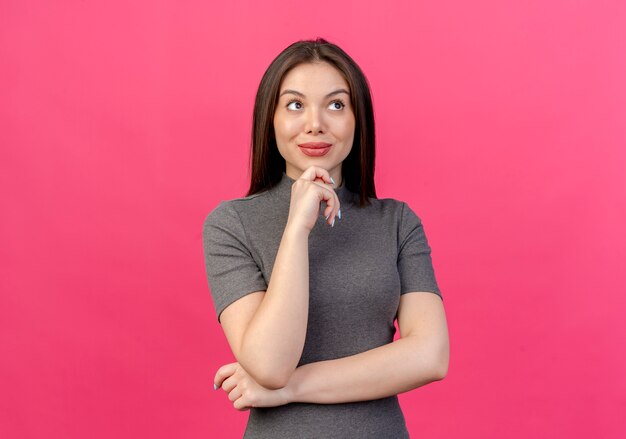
{"points": [[419, 357]]}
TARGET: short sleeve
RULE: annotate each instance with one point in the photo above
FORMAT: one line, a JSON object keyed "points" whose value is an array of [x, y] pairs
{"points": [[414, 261], [232, 272]]}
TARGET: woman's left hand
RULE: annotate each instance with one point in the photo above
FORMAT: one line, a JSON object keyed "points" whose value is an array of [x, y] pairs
{"points": [[244, 391]]}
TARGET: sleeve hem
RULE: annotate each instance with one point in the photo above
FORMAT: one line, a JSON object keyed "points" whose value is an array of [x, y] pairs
{"points": [[220, 308], [423, 290]]}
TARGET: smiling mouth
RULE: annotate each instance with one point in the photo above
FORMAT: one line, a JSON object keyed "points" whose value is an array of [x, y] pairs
{"points": [[314, 145], [314, 151]]}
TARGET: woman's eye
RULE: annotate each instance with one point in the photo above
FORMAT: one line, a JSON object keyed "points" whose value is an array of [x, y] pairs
{"points": [[337, 105], [297, 104]]}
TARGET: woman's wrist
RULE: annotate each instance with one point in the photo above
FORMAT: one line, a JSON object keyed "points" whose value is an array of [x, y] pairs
{"points": [[296, 231], [290, 391]]}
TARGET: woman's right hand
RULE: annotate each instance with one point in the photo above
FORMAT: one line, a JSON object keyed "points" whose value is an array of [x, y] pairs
{"points": [[307, 193]]}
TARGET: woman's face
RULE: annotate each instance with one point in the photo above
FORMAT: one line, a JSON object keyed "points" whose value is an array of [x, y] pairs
{"points": [[314, 107]]}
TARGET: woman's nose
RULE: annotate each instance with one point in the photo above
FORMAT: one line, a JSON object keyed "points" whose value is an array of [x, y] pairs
{"points": [[314, 123]]}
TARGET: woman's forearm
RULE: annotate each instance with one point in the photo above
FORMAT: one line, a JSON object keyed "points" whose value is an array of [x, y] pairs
{"points": [[387, 370], [274, 339]]}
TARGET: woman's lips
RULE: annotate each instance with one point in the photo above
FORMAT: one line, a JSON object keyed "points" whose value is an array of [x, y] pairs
{"points": [[315, 149]]}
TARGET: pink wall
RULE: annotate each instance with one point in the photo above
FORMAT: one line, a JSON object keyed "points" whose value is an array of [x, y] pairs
{"points": [[122, 124]]}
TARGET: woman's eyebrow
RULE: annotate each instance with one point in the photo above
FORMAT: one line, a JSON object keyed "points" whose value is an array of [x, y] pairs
{"points": [[295, 92]]}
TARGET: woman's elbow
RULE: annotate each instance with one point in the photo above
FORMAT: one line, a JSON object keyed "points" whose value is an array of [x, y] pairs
{"points": [[273, 382], [440, 364], [270, 379], [440, 371]]}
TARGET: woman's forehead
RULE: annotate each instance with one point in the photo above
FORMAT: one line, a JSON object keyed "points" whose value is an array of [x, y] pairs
{"points": [[313, 77]]}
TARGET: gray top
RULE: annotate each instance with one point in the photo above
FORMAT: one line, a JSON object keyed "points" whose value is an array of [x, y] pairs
{"points": [[357, 271]]}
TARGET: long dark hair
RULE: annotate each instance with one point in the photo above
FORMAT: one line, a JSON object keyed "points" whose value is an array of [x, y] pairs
{"points": [[266, 162]]}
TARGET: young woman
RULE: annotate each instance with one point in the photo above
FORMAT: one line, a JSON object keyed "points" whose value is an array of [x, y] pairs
{"points": [[309, 270]]}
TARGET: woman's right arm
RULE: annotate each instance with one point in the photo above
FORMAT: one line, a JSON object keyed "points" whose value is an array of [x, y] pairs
{"points": [[266, 330]]}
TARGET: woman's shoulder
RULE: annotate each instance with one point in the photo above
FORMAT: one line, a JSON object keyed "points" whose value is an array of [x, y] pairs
{"points": [[399, 210], [387, 204], [387, 201], [230, 210]]}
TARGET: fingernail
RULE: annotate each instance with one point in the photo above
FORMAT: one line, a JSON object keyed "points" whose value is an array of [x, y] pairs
{"points": [[327, 217], [339, 213], [214, 386], [331, 179], [332, 224]]}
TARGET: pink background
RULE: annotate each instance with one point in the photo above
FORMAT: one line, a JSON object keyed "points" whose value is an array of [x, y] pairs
{"points": [[122, 124]]}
